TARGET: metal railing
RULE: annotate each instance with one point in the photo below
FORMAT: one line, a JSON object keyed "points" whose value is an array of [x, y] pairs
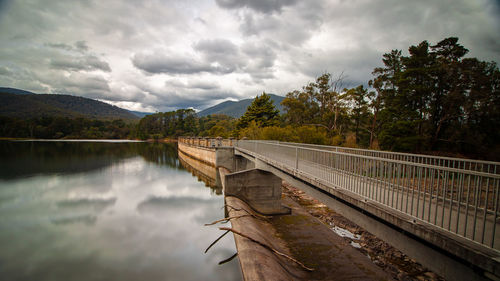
{"points": [[460, 200], [449, 162], [207, 142]]}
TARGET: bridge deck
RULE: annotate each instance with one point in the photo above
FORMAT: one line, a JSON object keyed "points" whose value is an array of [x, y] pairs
{"points": [[465, 204]]}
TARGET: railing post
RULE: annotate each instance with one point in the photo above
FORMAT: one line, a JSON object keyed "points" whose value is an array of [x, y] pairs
{"points": [[296, 158]]}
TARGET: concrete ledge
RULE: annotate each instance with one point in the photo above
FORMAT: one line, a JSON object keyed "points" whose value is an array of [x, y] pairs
{"points": [[258, 263], [260, 189]]}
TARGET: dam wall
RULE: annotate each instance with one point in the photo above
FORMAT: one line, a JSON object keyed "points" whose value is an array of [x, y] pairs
{"points": [[200, 153]]}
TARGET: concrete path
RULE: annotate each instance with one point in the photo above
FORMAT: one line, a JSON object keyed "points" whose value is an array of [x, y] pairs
{"points": [[302, 237]]}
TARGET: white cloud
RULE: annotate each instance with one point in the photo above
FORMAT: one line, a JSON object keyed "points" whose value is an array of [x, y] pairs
{"points": [[167, 54]]}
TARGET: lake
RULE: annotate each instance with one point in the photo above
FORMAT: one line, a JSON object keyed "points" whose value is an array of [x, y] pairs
{"points": [[107, 211]]}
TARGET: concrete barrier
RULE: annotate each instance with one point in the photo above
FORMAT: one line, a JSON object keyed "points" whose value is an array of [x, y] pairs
{"points": [[260, 189], [203, 154]]}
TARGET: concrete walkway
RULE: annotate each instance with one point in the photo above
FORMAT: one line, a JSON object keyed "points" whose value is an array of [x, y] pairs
{"points": [[302, 237]]}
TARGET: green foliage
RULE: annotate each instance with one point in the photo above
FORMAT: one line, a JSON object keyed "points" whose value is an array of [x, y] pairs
{"points": [[29, 106], [236, 109], [399, 136], [303, 134], [320, 103], [217, 125], [279, 134], [434, 99], [310, 134], [262, 111], [360, 114], [63, 127], [252, 131], [168, 124], [437, 100]]}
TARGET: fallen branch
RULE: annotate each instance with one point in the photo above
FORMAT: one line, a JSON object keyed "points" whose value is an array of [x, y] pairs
{"points": [[257, 216], [228, 219], [228, 259], [267, 247], [232, 208], [216, 240]]}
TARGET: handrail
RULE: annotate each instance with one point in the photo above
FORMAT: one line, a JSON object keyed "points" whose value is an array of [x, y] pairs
{"points": [[463, 202], [459, 163], [461, 199]]}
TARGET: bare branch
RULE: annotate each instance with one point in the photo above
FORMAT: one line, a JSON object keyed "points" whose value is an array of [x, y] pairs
{"points": [[268, 247]]}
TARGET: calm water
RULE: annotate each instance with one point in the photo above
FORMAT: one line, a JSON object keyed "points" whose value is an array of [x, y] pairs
{"points": [[106, 211]]}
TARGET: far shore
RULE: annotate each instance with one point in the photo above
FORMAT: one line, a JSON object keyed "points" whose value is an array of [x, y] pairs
{"points": [[164, 140]]}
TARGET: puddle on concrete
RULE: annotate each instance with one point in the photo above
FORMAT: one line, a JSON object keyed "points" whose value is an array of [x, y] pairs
{"points": [[342, 232], [355, 245]]}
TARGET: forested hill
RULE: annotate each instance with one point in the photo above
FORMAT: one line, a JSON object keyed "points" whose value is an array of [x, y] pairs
{"points": [[25, 105], [237, 108]]}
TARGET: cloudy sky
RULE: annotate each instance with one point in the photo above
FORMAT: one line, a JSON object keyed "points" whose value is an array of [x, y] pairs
{"points": [[162, 55]]}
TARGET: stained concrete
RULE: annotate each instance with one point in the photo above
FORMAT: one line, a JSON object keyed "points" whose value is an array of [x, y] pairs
{"points": [[203, 154], [301, 236], [258, 188]]}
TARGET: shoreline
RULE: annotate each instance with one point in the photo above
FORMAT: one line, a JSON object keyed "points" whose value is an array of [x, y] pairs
{"points": [[166, 140]]}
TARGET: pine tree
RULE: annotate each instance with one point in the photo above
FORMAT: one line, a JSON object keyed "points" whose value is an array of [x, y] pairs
{"points": [[262, 111]]}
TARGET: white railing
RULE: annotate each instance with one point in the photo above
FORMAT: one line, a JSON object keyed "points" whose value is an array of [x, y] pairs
{"points": [[449, 162], [207, 142], [454, 197]]}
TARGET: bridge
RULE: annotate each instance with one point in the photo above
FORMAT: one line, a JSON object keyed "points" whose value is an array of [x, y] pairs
{"points": [[442, 211]]}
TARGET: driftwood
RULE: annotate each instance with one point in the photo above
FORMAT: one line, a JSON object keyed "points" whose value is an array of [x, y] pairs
{"points": [[248, 212], [232, 208], [228, 259], [267, 247], [216, 240], [228, 219]]}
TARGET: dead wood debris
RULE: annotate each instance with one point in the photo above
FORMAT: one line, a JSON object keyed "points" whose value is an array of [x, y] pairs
{"points": [[224, 220], [268, 247]]}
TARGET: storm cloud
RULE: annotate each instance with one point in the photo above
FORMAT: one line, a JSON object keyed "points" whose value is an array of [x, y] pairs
{"points": [[162, 55]]}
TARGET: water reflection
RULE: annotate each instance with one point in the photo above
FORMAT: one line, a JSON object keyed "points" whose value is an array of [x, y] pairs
{"points": [[85, 219], [138, 217], [29, 158], [162, 205], [96, 204], [160, 153], [204, 172]]}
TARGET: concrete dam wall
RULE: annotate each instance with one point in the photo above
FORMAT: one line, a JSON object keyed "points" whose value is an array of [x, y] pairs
{"points": [[203, 154], [274, 236]]}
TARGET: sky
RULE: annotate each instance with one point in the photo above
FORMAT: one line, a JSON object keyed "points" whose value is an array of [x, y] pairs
{"points": [[162, 55]]}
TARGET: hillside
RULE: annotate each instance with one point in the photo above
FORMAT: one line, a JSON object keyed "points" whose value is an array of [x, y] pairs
{"points": [[15, 91], [237, 108], [23, 104]]}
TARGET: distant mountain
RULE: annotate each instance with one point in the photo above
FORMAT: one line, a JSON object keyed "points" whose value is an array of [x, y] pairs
{"points": [[15, 91], [237, 108], [141, 114], [24, 104]]}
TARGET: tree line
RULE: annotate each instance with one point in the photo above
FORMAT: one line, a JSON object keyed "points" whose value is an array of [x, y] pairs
{"points": [[58, 127], [434, 100]]}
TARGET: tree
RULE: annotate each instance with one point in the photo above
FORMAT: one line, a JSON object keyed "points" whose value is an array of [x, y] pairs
{"points": [[386, 87], [320, 104], [359, 97], [437, 100], [449, 90], [262, 111]]}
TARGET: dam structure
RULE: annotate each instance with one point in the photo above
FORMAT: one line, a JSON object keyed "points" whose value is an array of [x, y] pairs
{"points": [[441, 211]]}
